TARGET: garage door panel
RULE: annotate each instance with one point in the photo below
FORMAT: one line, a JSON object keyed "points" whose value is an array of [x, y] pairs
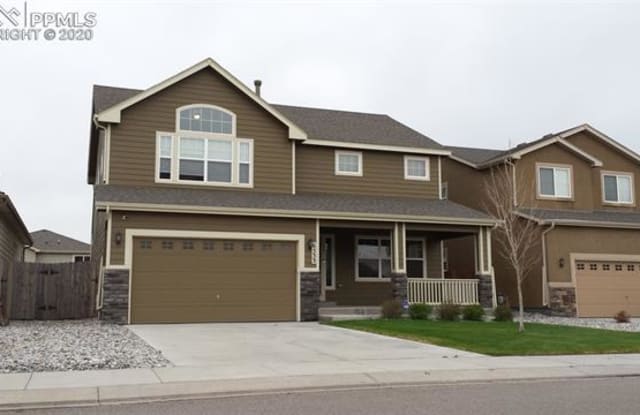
{"points": [[606, 287], [186, 280]]}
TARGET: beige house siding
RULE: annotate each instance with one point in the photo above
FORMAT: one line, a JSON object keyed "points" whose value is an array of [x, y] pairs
{"points": [[219, 223], [564, 240], [133, 141], [612, 160], [383, 174]]}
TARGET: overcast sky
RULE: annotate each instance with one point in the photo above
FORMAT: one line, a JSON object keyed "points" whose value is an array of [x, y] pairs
{"points": [[477, 74]]}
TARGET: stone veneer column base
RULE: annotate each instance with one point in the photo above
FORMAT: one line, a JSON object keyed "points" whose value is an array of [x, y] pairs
{"points": [[115, 303], [485, 290], [399, 285], [562, 301], [309, 295]]}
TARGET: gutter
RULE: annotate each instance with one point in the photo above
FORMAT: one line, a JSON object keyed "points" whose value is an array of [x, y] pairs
{"points": [[545, 276]]}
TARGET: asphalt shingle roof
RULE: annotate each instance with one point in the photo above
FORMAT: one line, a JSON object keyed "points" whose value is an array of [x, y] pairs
{"points": [[312, 202], [584, 215], [474, 155], [319, 124], [47, 241]]}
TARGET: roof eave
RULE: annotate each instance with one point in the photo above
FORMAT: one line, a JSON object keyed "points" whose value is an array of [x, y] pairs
{"points": [[378, 147]]}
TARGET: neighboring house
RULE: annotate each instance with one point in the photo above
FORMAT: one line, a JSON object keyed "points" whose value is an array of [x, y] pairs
{"points": [[14, 238], [211, 204], [50, 247], [581, 186]]}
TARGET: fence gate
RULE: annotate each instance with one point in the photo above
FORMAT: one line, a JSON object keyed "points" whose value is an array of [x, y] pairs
{"points": [[53, 291]]}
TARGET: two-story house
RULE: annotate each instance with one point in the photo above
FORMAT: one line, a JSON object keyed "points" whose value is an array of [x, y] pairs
{"points": [[579, 187], [211, 204]]}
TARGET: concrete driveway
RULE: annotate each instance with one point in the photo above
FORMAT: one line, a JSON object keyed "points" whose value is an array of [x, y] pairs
{"points": [[210, 351]]}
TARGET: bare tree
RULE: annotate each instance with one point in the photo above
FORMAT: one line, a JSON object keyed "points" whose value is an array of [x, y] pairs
{"points": [[517, 237]]}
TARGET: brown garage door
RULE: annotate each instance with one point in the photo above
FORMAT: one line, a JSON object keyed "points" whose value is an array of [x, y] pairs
{"points": [[606, 287], [195, 280]]}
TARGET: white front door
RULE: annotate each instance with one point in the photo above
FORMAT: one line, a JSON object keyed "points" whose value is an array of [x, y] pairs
{"points": [[327, 264]]}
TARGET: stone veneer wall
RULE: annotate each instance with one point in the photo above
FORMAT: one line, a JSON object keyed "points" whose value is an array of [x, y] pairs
{"points": [[309, 295], [115, 304], [399, 284], [485, 290], [562, 301]]}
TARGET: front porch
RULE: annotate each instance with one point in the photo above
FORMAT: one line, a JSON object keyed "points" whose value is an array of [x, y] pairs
{"points": [[364, 264]]}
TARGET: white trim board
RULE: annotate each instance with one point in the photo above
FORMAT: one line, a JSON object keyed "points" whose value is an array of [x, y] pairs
{"points": [[113, 113], [378, 147]]}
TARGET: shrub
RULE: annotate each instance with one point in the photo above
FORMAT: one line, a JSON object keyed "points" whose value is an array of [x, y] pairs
{"points": [[391, 309], [449, 312], [622, 317], [419, 311], [473, 313], [502, 313]]}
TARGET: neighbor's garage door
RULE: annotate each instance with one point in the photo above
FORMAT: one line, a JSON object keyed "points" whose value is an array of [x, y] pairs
{"points": [[194, 280], [604, 288]]}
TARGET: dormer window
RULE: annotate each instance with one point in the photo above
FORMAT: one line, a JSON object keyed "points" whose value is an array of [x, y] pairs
{"points": [[204, 149]]}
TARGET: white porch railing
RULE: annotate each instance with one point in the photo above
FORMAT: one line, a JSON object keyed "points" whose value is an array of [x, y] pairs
{"points": [[438, 291]]}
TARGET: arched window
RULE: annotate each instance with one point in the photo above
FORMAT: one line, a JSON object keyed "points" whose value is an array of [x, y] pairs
{"points": [[206, 119], [204, 149]]}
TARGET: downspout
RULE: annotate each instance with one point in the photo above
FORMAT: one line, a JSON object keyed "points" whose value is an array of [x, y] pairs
{"points": [[545, 277], [104, 160]]}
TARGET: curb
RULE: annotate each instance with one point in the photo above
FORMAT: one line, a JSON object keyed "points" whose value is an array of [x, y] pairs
{"points": [[162, 392]]}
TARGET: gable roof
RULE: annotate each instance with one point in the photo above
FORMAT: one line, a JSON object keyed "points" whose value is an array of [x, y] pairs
{"points": [[9, 211], [112, 114], [482, 158], [45, 240]]}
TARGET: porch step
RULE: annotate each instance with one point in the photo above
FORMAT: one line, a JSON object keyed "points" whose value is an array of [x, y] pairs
{"points": [[336, 313]]}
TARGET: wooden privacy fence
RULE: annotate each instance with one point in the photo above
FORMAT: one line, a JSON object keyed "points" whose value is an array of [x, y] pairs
{"points": [[53, 291], [440, 291]]}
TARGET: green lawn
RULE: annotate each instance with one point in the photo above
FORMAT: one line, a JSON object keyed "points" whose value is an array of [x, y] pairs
{"points": [[502, 339]]}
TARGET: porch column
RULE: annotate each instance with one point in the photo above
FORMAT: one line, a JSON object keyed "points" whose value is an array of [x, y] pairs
{"points": [[398, 263], [484, 269]]}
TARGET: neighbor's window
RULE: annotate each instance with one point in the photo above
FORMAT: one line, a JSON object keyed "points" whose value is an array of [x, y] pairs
{"points": [[444, 194], [81, 258], [416, 258], [416, 168], [373, 257], [554, 181], [204, 149], [618, 188], [348, 163]]}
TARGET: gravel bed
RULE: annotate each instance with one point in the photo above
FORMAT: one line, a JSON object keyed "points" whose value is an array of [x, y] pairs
{"points": [[37, 346], [595, 323]]}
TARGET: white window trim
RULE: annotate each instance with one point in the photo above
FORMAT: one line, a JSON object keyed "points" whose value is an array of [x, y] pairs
{"points": [[214, 107], [618, 174], [175, 156], [424, 255], [357, 270], [426, 177], [555, 167], [339, 153], [444, 191]]}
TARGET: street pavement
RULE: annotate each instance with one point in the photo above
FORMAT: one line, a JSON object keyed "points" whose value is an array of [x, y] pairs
{"points": [[610, 396]]}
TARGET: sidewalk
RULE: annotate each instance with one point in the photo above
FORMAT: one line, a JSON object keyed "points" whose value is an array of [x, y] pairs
{"points": [[51, 389]]}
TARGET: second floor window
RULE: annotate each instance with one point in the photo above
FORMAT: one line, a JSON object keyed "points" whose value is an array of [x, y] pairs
{"points": [[204, 149], [554, 182], [617, 188], [416, 168], [348, 163]]}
